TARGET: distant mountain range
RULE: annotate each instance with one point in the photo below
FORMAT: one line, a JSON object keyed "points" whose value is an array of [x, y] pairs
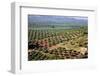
{"points": [[57, 20]]}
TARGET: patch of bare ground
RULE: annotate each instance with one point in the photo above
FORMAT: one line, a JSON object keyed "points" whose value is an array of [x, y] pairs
{"points": [[57, 46], [82, 50]]}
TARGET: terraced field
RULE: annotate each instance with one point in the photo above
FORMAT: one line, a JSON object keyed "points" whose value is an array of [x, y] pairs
{"points": [[53, 44]]}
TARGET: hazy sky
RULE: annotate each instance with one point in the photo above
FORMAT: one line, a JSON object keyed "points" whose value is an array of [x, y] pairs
{"points": [[56, 19]]}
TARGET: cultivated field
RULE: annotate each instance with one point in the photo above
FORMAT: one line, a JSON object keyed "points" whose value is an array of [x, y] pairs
{"points": [[52, 43]]}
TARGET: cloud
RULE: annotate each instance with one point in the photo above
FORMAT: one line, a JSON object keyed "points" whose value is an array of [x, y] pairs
{"points": [[81, 18]]}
